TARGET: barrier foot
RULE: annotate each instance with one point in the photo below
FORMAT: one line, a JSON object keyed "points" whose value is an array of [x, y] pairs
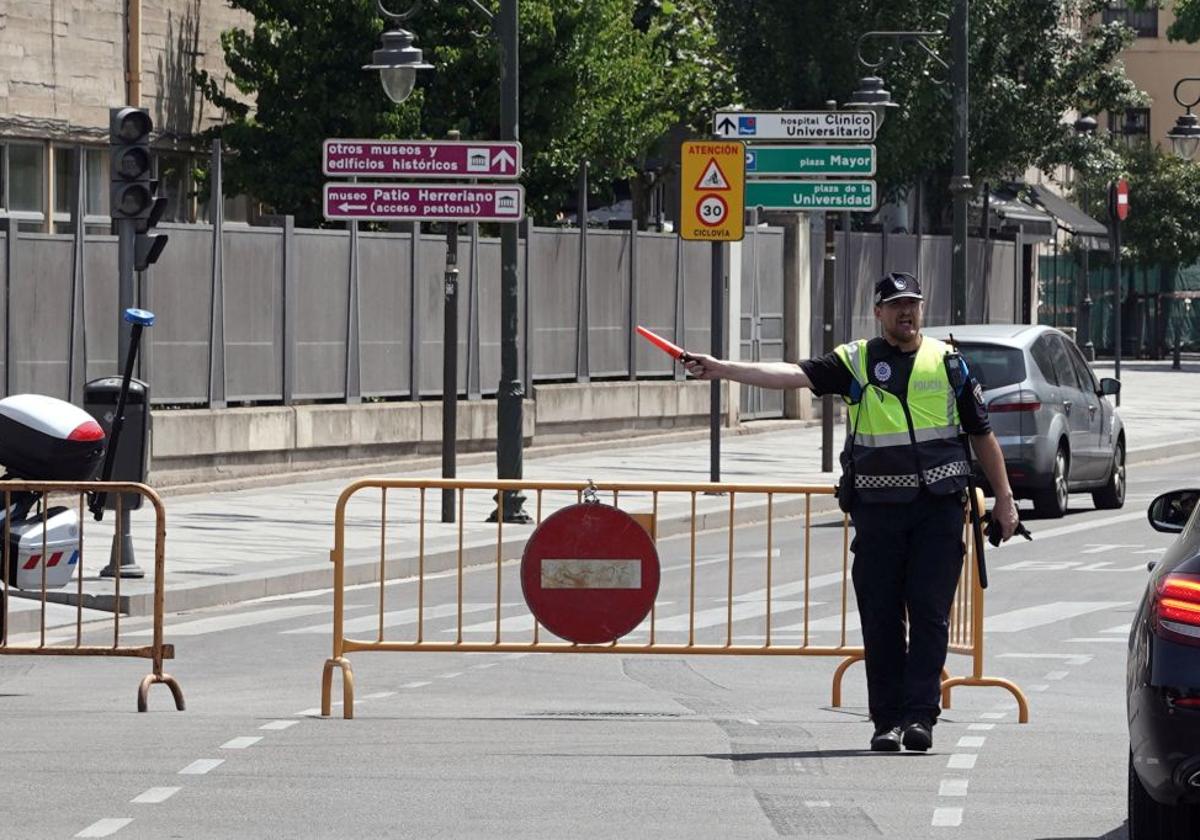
{"points": [[837, 678], [945, 691], [165, 679], [347, 688], [993, 682]]}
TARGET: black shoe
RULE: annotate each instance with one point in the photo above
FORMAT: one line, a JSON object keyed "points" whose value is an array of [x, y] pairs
{"points": [[886, 739], [917, 736]]}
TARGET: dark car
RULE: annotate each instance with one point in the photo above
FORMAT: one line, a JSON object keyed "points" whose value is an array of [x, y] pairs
{"points": [[1058, 433], [1162, 682]]}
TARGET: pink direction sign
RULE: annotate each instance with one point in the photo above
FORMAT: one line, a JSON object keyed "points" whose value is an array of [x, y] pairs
{"points": [[422, 158], [424, 202]]}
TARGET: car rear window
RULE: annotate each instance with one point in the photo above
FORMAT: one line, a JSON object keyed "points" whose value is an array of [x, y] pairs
{"points": [[994, 365]]}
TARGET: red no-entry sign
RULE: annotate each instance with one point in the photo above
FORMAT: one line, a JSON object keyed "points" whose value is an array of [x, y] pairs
{"points": [[1119, 200], [590, 573]]}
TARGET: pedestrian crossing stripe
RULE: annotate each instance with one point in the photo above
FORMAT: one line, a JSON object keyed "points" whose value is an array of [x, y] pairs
{"points": [[713, 179]]}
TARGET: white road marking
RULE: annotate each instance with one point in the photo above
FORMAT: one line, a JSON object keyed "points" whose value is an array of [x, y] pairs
{"points": [[948, 817], [395, 618], [217, 623], [105, 827], [310, 712], [1118, 630], [483, 665], [1037, 687], [1100, 548], [1026, 618], [1113, 639], [993, 715], [742, 611], [1055, 675], [379, 695], [830, 623], [415, 685], [1068, 658], [155, 795], [820, 803], [969, 741], [1152, 550], [953, 787], [279, 724], [450, 675], [1090, 525], [962, 761], [242, 742], [751, 721], [981, 727], [201, 766]]}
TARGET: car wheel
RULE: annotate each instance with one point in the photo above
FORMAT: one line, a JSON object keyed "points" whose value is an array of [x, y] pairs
{"points": [[1112, 495], [1052, 502], [1151, 820]]}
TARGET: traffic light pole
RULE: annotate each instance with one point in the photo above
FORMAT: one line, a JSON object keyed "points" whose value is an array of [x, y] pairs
{"points": [[121, 556]]}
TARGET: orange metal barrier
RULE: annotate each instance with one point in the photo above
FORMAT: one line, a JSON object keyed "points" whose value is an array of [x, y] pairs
{"points": [[758, 512], [157, 650]]}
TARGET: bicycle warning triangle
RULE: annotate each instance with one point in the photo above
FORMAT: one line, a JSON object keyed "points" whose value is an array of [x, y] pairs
{"points": [[713, 179]]}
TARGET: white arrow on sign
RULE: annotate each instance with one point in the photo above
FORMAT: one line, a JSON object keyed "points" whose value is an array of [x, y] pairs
{"points": [[503, 160], [345, 207]]}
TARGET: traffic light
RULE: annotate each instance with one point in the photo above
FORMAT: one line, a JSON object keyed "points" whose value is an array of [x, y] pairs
{"points": [[133, 189], [129, 140]]}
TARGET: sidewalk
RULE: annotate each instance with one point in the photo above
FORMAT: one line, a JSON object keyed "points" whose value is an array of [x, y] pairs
{"points": [[229, 546]]}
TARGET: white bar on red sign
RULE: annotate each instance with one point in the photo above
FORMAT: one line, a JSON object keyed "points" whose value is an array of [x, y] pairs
{"points": [[591, 573], [421, 158], [424, 203]]}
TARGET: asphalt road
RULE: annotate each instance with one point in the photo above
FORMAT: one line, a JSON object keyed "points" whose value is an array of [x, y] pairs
{"points": [[554, 745]]}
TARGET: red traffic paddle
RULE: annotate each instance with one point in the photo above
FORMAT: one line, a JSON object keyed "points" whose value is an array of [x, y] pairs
{"points": [[672, 350]]}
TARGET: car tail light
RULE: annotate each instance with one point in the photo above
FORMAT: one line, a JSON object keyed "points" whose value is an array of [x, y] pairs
{"points": [[1019, 401], [1176, 613], [1186, 702]]}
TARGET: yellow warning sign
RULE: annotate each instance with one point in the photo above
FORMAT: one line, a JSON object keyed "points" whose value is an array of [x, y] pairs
{"points": [[713, 185]]}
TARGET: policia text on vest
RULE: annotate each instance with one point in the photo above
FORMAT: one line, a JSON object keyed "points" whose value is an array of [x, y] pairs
{"points": [[910, 468]]}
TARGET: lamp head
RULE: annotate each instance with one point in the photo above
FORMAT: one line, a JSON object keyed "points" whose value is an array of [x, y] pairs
{"points": [[1185, 136], [397, 61], [872, 96]]}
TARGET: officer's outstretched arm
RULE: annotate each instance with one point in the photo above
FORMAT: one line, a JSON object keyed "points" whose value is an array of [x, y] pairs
{"points": [[777, 375], [991, 459]]}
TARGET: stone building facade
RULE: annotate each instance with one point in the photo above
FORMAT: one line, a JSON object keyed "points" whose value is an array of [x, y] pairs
{"points": [[64, 63]]}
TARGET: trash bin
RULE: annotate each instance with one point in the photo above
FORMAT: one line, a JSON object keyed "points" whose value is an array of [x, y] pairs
{"points": [[133, 448]]}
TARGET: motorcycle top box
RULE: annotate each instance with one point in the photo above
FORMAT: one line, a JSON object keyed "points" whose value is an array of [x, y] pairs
{"points": [[47, 439]]}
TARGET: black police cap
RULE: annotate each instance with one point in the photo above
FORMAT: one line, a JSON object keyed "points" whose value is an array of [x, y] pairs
{"points": [[898, 284]]}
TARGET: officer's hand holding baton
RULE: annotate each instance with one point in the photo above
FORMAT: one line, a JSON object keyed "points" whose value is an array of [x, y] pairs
{"points": [[703, 366], [1004, 515]]}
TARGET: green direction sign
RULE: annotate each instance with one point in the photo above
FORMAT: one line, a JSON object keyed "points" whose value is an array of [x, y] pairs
{"points": [[809, 160], [811, 195]]}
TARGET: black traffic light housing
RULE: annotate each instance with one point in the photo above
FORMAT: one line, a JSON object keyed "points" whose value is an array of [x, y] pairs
{"points": [[133, 188], [129, 141]]}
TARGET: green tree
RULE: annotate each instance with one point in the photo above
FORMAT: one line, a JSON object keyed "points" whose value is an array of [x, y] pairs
{"points": [[1164, 204], [1031, 62], [602, 80]]}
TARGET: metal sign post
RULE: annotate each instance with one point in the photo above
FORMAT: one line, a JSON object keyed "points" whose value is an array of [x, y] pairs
{"points": [[713, 182], [1118, 211]]}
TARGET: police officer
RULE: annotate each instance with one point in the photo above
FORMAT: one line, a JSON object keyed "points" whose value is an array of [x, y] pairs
{"points": [[905, 459]]}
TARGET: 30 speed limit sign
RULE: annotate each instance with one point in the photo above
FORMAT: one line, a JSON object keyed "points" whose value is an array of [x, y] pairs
{"points": [[712, 210], [714, 188]]}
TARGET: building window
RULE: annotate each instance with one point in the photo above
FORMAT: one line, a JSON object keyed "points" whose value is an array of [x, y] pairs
{"points": [[95, 186], [1133, 126], [1144, 23], [176, 183]]}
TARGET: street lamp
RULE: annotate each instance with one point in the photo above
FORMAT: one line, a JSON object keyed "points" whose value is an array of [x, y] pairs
{"points": [[1085, 126], [1185, 134], [872, 96], [510, 395], [397, 60], [959, 74]]}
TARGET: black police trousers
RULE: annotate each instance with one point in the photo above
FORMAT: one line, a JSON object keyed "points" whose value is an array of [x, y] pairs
{"points": [[907, 559]]}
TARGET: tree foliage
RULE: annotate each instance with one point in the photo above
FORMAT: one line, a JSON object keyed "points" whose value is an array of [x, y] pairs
{"points": [[603, 80], [1031, 63], [1164, 204]]}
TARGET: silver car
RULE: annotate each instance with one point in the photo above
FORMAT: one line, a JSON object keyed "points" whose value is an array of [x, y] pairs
{"points": [[1058, 433]]}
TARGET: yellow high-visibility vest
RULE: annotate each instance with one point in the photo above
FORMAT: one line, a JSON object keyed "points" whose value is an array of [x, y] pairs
{"points": [[903, 444]]}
